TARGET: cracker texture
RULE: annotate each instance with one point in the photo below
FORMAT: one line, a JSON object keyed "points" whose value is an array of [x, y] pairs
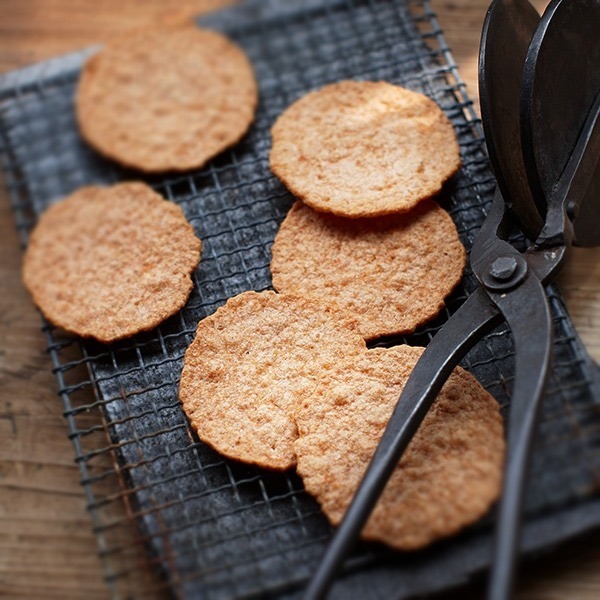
{"points": [[166, 99], [110, 262], [393, 273], [450, 474], [251, 362], [363, 148]]}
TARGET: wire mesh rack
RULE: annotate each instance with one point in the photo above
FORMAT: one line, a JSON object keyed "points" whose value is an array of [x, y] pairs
{"points": [[162, 502]]}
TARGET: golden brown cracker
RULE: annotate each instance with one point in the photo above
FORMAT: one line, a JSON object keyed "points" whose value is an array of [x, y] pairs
{"points": [[363, 148], [251, 362], [110, 262], [393, 273], [166, 99], [448, 477]]}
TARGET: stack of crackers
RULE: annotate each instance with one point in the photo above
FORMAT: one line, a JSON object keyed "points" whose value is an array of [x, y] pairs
{"points": [[108, 263], [285, 380], [282, 379]]}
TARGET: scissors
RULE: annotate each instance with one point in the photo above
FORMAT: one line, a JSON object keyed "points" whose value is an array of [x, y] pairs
{"points": [[539, 82]]}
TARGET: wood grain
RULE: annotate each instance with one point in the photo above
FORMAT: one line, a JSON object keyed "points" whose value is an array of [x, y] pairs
{"points": [[47, 548]]}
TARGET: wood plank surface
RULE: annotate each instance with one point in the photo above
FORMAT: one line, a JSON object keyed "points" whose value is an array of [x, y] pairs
{"points": [[47, 548]]}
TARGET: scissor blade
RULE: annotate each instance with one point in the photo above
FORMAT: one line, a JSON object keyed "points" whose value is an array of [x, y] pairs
{"points": [[476, 317], [527, 313], [577, 186], [560, 82], [507, 31]]}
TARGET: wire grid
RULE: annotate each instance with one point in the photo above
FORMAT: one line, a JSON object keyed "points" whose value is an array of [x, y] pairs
{"points": [[214, 528]]}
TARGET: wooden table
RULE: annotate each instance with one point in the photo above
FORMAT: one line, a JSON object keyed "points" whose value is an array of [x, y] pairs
{"points": [[47, 548]]}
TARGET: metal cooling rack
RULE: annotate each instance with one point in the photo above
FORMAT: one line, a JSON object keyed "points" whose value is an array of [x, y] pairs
{"points": [[209, 527]]}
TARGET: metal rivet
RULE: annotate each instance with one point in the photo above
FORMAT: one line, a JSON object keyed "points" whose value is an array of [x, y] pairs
{"points": [[503, 268]]}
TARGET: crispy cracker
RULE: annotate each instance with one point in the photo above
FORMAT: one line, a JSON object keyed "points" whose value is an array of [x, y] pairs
{"points": [[393, 273], [363, 149], [110, 262], [166, 99], [251, 362], [450, 474]]}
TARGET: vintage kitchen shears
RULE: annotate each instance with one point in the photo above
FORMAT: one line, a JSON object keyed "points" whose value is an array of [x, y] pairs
{"points": [[539, 82]]}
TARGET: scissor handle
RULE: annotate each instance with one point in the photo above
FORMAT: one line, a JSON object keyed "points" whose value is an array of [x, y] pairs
{"points": [[527, 313]]}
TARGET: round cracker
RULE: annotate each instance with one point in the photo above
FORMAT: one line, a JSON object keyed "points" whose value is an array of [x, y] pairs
{"points": [[449, 475], [363, 149], [393, 273], [110, 262], [166, 99], [251, 362]]}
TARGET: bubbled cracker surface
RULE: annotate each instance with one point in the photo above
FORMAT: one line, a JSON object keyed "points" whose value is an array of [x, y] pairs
{"points": [[251, 362], [392, 273], [362, 149], [110, 262], [166, 99], [450, 473]]}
